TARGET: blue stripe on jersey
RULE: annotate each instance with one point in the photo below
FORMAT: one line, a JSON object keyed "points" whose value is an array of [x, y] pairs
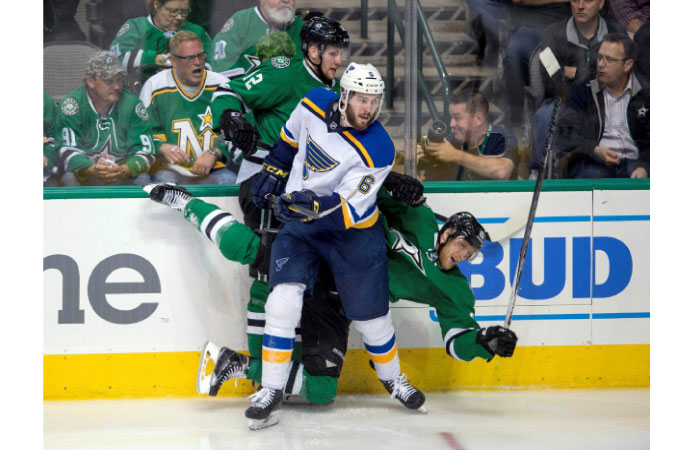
{"points": [[375, 142], [278, 343], [380, 349]]}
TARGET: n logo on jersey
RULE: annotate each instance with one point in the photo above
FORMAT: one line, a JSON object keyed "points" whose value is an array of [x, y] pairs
{"points": [[189, 139], [316, 159]]}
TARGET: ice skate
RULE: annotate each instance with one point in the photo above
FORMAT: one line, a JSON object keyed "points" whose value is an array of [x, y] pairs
{"points": [[168, 194], [411, 397], [229, 364], [265, 401]]}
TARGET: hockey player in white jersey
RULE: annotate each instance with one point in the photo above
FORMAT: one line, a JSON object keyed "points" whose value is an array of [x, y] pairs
{"points": [[332, 158]]}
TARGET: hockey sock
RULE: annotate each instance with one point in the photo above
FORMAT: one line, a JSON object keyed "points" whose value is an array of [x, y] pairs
{"points": [[380, 342], [282, 313]]}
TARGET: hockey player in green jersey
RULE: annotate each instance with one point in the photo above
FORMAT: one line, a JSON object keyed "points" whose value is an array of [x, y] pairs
{"points": [[102, 132], [143, 41], [274, 89], [245, 27], [178, 102], [422, 263]]}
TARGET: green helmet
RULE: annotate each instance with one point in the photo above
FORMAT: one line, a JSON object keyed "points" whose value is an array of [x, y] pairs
{"points": [[277, 43]]}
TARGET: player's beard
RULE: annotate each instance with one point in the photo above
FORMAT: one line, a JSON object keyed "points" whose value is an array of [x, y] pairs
{"points": [[354, 122], [280, 16]]}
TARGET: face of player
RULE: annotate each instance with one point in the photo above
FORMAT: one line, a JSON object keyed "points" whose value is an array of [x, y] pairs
{"points": [[612, 66], [454, 252], [105, 92], [361, 108], [331, 59], [462, 123], [584, 11], [189, 62], [171, 14], [277, 13]]}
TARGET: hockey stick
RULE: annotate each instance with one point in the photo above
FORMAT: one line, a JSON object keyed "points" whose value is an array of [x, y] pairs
{"points": [[307, 212], [549, 61]]}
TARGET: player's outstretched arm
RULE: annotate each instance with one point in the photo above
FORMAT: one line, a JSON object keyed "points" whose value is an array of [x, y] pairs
{"points": [[235, 240]]}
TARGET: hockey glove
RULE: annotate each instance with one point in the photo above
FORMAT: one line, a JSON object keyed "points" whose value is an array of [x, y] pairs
{"points": [[285, 205], [404, 188], [497, 340], [270, 180], [239, 131]]}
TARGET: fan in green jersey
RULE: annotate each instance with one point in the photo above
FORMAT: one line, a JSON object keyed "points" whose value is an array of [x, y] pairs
{"points": [[180, 115], [142, 42], [422, 264], [102, 132], [243, 29]]}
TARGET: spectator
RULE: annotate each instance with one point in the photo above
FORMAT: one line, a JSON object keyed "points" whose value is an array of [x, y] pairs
{"points": [[631, 14], [245, 27], [531, 17], [484, 151], [604, 124], [102, 131], [574, 42], [178, 102], [50, 179], [143, 41]]}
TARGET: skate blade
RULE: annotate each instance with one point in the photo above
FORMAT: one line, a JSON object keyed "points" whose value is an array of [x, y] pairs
{"points": [[210, 352], [422, 410], [256, 425]]}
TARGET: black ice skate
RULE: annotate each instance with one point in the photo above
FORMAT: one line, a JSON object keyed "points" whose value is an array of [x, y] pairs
{"points": [[228, 364], [411, 397], [168, 194], [260, 412]]}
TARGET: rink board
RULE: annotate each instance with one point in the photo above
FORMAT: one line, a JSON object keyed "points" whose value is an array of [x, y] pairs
{"points": [[131, 293]]}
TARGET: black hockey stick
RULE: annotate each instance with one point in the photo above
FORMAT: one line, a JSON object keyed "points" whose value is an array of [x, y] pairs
{"points": [[550, 63]]}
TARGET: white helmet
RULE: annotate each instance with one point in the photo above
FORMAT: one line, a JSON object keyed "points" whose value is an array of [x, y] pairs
{"points": [[364, 78]]}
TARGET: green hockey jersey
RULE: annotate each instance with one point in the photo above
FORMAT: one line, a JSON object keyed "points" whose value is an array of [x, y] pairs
{"points": [[139, 41], [82, 133], [241, 32], [49, 128], [182, 118]]}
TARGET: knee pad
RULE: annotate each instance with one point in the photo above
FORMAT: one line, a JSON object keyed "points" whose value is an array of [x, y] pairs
{"points": [[376, 331], [283, 307]]}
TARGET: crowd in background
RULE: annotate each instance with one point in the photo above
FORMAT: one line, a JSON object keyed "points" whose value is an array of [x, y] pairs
{"points": [[599, 96]]}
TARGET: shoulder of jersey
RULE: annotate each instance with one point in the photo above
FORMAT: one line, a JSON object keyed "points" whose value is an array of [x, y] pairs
{"points": [[317, 99], [215, 78], [376, 148]]}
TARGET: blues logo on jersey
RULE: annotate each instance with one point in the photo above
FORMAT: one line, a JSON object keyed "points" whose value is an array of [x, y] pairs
{"points": [[316, 159]]}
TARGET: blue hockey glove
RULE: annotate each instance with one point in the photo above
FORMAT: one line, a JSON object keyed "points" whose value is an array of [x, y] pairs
{"points": [[284, 206], [497, 340], [271, 180]]}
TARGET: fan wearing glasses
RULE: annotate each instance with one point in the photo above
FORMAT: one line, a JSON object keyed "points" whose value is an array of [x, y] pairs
{"points": [[604, 125], [180, 116], [142, 42]]}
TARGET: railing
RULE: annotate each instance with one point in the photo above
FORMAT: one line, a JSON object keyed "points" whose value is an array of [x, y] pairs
{"points": [[394, 22]]}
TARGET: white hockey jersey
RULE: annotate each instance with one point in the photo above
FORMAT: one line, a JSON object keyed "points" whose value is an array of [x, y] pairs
{"points": [[332, 159]]}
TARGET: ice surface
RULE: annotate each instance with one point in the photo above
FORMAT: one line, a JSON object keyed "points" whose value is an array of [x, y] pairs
{"points": [[533, 419]]}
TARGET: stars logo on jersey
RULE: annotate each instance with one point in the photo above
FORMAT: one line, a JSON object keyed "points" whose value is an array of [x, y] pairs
{"points": [[316, 159], [122, 31], [141, 112], [70, 107], [403, 246], [280, 61], [227, 26], [206, 119]]}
